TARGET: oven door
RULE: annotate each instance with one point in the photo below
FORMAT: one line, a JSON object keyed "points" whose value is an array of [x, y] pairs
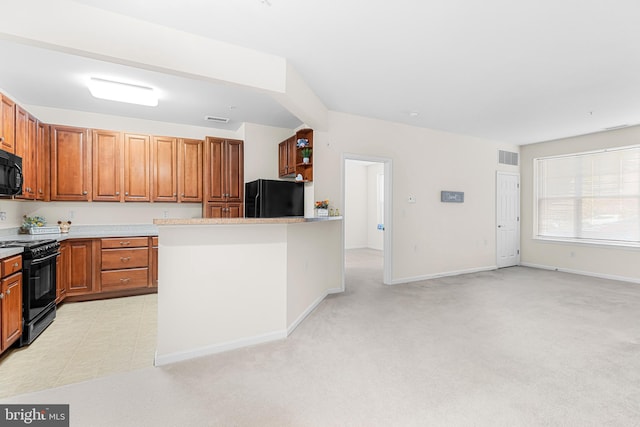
{"points": [[39, 284]]}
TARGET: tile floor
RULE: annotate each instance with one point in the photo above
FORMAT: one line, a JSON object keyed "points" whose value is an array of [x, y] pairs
{"points": [[87, 340]]}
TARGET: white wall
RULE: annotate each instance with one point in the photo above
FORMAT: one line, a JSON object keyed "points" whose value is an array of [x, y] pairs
{"points": [[429, 238], [603, 261], [355, 209], [261, 150]]}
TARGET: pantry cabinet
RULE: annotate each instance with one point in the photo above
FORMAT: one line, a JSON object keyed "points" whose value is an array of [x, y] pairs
{"points": [[70, 164], [7, 124], [224, 176]]}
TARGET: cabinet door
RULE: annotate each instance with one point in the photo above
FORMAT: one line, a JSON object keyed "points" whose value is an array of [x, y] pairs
{"points": [[21, 147], [214, 170], [214, 210], [234, 210], [283, 164], [190, 170], [80, 279], [7, 124], [70, 164], [137, 158], [11, 291], [234, 174], [165, 176], [42, 162], [107, 166], [63, 267]]}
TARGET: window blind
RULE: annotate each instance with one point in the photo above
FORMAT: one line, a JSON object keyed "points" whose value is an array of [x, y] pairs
{"points": [[594, 196]]}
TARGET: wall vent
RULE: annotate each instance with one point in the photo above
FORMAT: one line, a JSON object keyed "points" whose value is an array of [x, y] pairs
{"points": [[216, 119], [507, 158]]}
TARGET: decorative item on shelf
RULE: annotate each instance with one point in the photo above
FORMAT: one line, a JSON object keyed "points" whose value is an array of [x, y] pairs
{"points": [[64, 226], [306, 154], [322, 208], [299, 177], [302, 142]]}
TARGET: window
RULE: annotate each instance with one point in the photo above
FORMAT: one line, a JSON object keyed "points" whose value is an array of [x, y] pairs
{"points": [[592, 196]]}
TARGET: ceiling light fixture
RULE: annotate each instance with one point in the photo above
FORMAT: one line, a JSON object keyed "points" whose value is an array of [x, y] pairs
{"points": [[122, 92]]}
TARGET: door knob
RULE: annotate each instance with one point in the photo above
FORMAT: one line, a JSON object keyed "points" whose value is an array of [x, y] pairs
{"points": [[84, 192]]}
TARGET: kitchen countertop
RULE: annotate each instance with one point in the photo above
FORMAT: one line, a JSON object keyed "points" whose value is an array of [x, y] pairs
{"points": [[245, 221], [79, 232]]}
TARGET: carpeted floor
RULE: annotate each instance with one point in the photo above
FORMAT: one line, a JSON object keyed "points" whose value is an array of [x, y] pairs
{"points": [[512, 347]]}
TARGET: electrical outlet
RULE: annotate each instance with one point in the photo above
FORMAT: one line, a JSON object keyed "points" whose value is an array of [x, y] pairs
{"points": [[412, 199], [165, 214], [72, 214], [3, 216]]}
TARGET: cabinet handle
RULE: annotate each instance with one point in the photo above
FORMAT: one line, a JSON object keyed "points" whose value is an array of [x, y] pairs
{"points": [[8, 291], [1, 138], [125, 279], [126, 193], [125, 243], [117, 193], [1, 296], [175, 194], [40, 191], [15, 264], [182, 194], [84, 192], [125, 259]]}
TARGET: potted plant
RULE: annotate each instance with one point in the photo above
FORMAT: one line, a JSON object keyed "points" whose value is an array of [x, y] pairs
{"points": [[322, 208], [306, 154]]}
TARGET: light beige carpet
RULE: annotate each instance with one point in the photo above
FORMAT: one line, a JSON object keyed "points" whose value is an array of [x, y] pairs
{"points": [[512, 347]]}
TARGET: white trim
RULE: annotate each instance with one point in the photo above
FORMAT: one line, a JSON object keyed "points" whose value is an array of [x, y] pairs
{"points": [[307, 312], [589, 242], [388, 211], [443, 274], [582, 273], [218, 348]]}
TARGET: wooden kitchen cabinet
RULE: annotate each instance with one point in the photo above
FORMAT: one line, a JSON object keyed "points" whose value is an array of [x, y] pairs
{"points": [[70, 164], [7, 124], [164, 163], [223, 210], [10, 310], [224, 175], [63, 268], [137, 160], [287, 157], [190, 167], [42, 162], [107, 166], [124, 263], [26, 129], [290, 162], [81, 274], [153, 262]]}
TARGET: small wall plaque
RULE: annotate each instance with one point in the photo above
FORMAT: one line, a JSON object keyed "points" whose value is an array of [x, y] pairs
{"points": [[452, 196]]}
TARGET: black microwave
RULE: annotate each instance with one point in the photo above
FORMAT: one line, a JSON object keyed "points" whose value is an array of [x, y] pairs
{"points": [[10, 174]]}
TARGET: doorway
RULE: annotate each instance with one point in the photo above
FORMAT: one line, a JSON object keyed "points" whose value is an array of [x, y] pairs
{"points": [[507, 219], [367, 201]]}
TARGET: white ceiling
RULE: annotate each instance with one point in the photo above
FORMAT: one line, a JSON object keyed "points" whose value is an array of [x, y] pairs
{"points": [[512, 71]]}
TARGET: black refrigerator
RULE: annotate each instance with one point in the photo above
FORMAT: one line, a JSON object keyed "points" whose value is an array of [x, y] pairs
{"points": [[268, 198]]}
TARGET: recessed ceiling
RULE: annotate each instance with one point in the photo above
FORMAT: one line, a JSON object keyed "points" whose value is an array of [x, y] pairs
{"points": [[517, 72]]}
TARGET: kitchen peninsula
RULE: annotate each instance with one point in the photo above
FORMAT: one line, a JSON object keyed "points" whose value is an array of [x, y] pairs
{"points": [[229, 283]]}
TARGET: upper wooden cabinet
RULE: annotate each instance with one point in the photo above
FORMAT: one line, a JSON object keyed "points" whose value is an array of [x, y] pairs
{"points": [[107, 166], [7, 124], [42, 162], [26, 148], [290, 158], [137, 158], [224, 172], [164, 161], [70, 164], [190, 158]]}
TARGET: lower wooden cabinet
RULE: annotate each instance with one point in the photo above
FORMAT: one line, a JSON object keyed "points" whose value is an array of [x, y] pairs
{"points": [[109, 267], [223, 210], [10, 310]]}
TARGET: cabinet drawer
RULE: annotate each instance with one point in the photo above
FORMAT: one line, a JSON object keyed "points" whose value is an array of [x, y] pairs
{"points": [[124, 279], [154, 241], [125, 242], [11, 265], [113, 259]]}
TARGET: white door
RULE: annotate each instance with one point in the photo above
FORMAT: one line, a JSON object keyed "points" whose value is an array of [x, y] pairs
{"points": [[508, 219]]}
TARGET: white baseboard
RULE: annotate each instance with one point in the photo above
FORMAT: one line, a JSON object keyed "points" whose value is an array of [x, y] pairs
{"points": [[305, 313], [180, 356], [443, 274], [581, 272]]}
